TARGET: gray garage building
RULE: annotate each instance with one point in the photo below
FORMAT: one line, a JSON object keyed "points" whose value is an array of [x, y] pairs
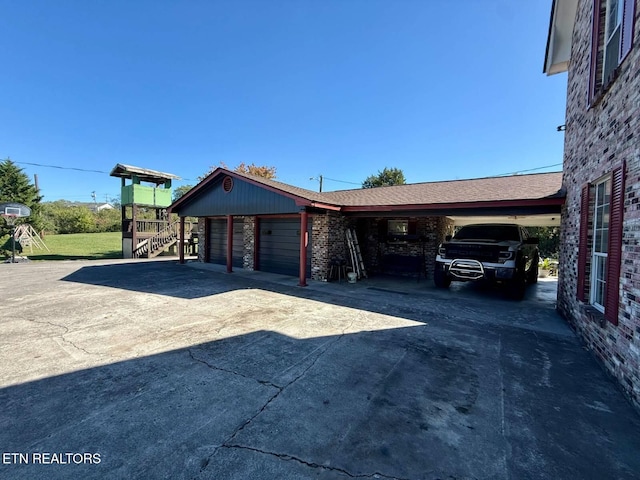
{"points": [[250, 222]]}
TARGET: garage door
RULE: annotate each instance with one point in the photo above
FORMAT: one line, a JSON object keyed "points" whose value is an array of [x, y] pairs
{"points": [[279, 246], [218, 241]]}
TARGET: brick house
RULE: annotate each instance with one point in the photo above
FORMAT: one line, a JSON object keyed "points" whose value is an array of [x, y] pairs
{"points": [[254, 223], [599, 284]]}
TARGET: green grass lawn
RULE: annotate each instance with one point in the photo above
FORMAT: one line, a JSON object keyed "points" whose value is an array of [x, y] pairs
{"points": [[79, 246]]}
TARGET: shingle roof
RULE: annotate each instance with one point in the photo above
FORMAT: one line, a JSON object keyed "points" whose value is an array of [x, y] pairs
{"points": [[492, 189], [284, 187], [539, 186]]}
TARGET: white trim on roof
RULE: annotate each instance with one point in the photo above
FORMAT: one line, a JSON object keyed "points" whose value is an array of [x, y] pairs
{"points": [[558, 53]]}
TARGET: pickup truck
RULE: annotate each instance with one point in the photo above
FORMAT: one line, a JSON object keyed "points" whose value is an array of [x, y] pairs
{"points": [[501, 253]]}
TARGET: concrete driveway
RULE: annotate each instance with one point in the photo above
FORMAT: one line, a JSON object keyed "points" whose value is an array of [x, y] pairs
{"points": [[159, 370]]}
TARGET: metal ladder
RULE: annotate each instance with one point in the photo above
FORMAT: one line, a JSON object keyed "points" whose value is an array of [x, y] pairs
{"points": [[355, 254]]}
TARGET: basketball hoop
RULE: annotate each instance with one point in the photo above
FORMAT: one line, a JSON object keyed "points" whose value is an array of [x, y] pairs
{"points": [[9, 218], [11, 212]]}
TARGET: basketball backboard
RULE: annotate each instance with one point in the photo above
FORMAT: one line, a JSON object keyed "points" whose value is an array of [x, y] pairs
{"points": [[14, 209], [11, 211]]}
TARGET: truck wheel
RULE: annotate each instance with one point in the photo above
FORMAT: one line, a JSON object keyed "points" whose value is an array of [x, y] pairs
{"points": [[533, 272], [517, 286], [440, 279]]}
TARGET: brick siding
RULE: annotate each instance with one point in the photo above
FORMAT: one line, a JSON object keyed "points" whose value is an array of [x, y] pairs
{"points": [[431, 231], [327, 243], [596, 141], [249, 234]]}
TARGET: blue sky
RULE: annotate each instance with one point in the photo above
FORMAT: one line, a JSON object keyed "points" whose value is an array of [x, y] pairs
{"points": [[441, 89]]}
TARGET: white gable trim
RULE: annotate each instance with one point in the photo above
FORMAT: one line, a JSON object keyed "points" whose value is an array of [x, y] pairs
{"points": [[558, 54]]}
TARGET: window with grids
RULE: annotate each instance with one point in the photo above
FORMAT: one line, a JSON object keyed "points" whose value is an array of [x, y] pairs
{"points": [[600, 243], [611, 41]]}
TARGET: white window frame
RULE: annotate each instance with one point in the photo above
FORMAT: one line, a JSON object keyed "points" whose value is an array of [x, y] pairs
{"points": [[612, 25], [615, 10], [599, 250]]}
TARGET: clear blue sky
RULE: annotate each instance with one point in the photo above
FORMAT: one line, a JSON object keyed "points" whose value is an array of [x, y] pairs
{"points": [[441, 89]]}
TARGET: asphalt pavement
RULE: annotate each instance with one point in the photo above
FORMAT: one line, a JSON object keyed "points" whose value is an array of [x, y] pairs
{"points": [[151, 369]]}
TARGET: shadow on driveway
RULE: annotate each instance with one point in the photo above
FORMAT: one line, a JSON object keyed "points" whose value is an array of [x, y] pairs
{"points": [[303, 383]]}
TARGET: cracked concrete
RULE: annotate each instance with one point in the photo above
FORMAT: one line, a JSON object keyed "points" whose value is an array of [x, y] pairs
{"points": [[168, 371]]}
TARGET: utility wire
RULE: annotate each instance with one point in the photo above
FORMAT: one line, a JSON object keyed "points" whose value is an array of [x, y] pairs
{"points": [[61, 168], [76, 169], [528, 170], [326, 178], [341, 181]]}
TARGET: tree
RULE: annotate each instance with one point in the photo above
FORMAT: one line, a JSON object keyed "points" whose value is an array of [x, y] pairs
{"points": [[385, 178], [549, 237], [108, 220], [180, 191], [76, 220], [258, 171], [16, 187], [253, 169]]}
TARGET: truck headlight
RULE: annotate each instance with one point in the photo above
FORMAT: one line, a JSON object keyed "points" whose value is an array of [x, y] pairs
{"points": [[506, 255], [442, 252]]}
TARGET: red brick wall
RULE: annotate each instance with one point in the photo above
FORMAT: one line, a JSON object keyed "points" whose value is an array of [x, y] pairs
{"points": [[328, 242], [596, 141]]}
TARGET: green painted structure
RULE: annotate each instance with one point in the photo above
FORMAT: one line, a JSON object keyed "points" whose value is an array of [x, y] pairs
{"points": [[148, 236], [148, 196]]}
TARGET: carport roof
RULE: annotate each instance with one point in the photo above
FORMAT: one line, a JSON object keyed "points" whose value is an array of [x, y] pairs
{"points": [[530, 189], [491, 189]]}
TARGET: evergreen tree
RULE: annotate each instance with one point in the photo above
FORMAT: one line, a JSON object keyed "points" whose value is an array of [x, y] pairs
{"points": [[16, 187]]}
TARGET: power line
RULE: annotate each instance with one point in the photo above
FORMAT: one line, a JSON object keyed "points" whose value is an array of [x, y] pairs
{"points": [[76, 169], [61, 168], [341, 181], [87, 195], [528, 170]]}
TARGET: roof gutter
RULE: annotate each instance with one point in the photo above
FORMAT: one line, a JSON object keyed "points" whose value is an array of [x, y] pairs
{"points": [[324, 206], [458, 205]]}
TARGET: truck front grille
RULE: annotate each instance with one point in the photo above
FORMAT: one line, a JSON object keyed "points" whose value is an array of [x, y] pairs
{"points": [[483, 253]]}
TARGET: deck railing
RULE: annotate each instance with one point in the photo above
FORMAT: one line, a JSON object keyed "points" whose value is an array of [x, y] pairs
{"points": [[155, 244]]}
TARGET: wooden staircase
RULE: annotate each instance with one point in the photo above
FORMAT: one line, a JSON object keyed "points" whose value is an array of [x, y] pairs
{"points": [[153, 246]]}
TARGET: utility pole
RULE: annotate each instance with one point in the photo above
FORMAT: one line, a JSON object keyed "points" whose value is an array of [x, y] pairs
{"points": [[319, 178]]}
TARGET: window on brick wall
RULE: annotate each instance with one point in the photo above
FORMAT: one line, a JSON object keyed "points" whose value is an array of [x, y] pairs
{"points": [[600, 243], [398, 230], [611, 42]]}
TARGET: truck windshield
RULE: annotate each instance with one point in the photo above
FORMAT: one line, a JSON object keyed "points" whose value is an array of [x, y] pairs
{"points": [[498, 233]]}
